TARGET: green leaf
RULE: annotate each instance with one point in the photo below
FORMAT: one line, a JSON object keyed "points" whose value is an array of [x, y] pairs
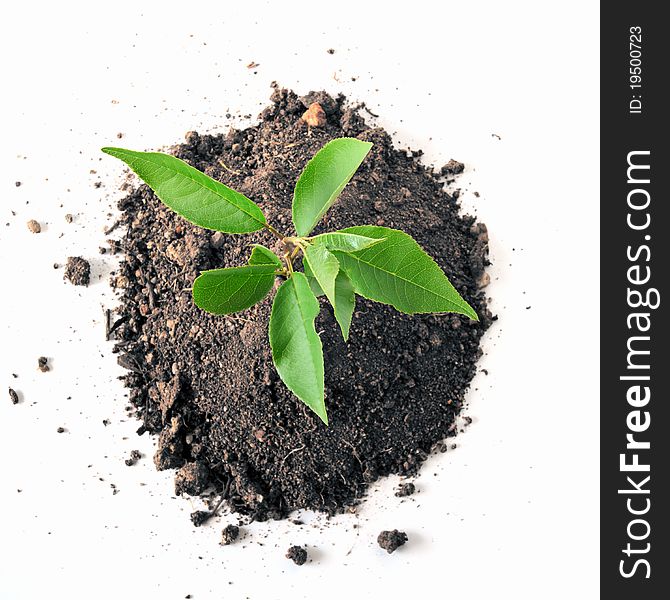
{"points": [[344, 242], [323, 266], [224, 291], [296, 347], [345, 298], [346, 302], [198, 198], [313, 283], [260, 255], [323, 179], [398, 272]]}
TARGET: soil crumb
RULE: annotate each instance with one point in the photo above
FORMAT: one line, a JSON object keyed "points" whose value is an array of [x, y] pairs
{"points": [[229, 534], [206, 384], [77, 271], [200, 517], [406, 489], [43, 364], [13, 396], [135, 455], [391, 540], [191, 479], [297, 554], [453, 167], [34, 226]]}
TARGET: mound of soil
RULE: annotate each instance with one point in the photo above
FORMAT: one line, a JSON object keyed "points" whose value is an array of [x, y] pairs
{"points": [[206, 384]]}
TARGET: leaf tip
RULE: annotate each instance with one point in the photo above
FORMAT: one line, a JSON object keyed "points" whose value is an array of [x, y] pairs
{"points": [[470, 312]]}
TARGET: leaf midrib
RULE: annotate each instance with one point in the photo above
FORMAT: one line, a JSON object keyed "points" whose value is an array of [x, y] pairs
{"points": [[398, 276], [208, 187]]}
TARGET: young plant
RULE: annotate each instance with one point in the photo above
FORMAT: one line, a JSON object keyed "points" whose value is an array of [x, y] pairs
{"points": [[378, 263]]}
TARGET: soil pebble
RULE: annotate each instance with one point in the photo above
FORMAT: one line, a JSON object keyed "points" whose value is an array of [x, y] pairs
{"points": [[314, 116], [229, 534], [406, 489], [453, 167], [135, 455], [13, 396], [391, 540], [200, 517], [206, 384], [297, 554], [77, 271], [61, 430], [69, 218], [34, 226], [43, 364]]}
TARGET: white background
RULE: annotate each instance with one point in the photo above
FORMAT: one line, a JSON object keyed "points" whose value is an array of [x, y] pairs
{"points": [[512, 512]]}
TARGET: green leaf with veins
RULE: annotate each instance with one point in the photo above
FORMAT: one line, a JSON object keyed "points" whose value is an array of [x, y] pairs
{"points": [[398, 272], [323, 266], [346, 302], [344, 242], [260, 255], [345, 298], [192, 194], [323, 179], [225, 291], [313, 283], [296, 347]]}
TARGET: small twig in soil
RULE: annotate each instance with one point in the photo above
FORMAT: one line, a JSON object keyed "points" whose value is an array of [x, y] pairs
{"points": [[367, 110], [116, 325], [227, 168], [114, 225], [292, 451]]}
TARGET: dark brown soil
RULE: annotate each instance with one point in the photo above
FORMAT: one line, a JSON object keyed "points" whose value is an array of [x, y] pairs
{"points": [[297, 554], [406, 489], [391, 540], [229, 534], [43, 364], [135, 455], [207, 385], [13, 396], [77, 270]]}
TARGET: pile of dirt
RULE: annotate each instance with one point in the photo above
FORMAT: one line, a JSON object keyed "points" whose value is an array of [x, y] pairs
{"points": [[206, 384]]}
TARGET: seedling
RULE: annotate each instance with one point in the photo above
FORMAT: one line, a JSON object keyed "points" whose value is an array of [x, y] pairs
{"points": [[378, 263]]}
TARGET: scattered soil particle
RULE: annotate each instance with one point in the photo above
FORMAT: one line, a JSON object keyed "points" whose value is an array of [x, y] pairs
{"points": [[191, 479], [229, 534], [69, 218], [206, 384], [453, 167], [61, 430], [331, 50], [34, 226], [297, 554], [13, 396], [391, 540], [17, 183], [77, 270], [135, 455], [200, 517], [43, 364], [406, 489]]}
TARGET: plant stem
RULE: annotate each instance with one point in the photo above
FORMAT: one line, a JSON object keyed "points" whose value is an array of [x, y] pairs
{"points": [[272, 230], [289, 264]]}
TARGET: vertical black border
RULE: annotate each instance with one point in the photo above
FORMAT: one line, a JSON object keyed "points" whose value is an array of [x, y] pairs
{"points": [[621, 133]]}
